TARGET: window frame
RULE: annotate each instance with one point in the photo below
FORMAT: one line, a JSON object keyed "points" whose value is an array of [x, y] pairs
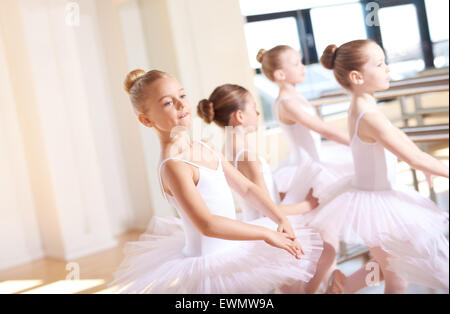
{"points": [[306, 32], [374, 32]]}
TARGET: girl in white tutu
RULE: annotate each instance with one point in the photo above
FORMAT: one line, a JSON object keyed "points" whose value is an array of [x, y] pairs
{"points": [[233, 108], [404, 231], [302, 126], [207, 250]]}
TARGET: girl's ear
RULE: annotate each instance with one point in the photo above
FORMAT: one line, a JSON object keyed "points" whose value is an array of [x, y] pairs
{"points": [[239, 115], [356, 78], [279, 75], [145, 121], [236, 118]]}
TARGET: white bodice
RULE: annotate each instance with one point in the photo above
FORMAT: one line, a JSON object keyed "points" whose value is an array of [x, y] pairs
{"points": [[375, 166], [216, 193], [299, 137]]}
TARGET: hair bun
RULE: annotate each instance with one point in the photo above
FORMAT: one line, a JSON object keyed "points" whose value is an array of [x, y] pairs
{"points": [[205, 110], [329, 56], [132, 78], [260, 55]]}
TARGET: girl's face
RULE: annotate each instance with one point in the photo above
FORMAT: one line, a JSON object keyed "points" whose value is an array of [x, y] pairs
{"points": [[293, 68], [168, 106], [375, 72], [250, 114]]}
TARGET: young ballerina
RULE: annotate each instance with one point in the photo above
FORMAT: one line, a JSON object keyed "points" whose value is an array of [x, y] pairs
{"points": [[301, 125], [211, 252], [233, 108], [403, 230]]}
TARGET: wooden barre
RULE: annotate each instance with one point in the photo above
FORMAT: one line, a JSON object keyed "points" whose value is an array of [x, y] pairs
{"points": [[428, 128], [383, 95], [429, 138], [409, 83]]}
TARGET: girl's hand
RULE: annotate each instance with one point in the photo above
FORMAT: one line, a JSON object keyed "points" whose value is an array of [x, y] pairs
{"points": [[285, 227], [282, 241], [311, 200]]}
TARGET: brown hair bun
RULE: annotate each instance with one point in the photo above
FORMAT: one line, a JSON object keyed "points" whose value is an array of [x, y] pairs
{"points": [[205, 110], [260, 55], [329, 56]]}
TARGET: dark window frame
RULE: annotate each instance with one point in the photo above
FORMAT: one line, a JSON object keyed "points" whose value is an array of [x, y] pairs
{"points": [[306, 32], [374, 32]]}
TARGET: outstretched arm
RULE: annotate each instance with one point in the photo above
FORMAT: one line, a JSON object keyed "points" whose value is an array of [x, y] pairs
{"points": [[304, 207], [375, 125], [179, 179], [252, 170], [257, 197], [314, 123]]}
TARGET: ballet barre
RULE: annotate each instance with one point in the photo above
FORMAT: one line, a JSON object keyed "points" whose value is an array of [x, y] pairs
{"points": [[425, 137], [389, 94], [414, 82], [430, 133], [401, 94]]}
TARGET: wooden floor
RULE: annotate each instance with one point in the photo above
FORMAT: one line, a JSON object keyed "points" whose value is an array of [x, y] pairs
{"points": [[50, 276]]}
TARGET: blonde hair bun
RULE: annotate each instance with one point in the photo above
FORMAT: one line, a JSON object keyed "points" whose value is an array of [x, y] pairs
{"points": [[132, 78]]}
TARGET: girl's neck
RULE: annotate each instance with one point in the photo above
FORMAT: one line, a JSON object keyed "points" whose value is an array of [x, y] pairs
{"points": [[235, 140], [286, 88], [362, 93], [363, 99], [175, 144]]}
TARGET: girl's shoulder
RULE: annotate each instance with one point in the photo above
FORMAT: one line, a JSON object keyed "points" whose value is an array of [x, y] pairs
{"points": [[295, 99]]}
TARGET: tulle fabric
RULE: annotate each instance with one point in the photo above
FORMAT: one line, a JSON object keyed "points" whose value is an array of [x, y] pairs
{"points": [[296, 180], [406, 225], [156, 264], [304, 144]]}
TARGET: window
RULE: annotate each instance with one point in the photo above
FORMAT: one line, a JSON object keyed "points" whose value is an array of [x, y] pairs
{"points": [[311, 25], [401, 41], [437, 13], [337, 25], [271, 33]]}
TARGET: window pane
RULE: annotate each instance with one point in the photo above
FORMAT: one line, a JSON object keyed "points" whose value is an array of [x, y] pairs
{"points": [[401, 40], [437, 13], [254, 7], [268, 34], [337, 25]]}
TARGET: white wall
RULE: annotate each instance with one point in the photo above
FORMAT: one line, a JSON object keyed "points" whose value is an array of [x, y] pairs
{"points": [[18, 225]]}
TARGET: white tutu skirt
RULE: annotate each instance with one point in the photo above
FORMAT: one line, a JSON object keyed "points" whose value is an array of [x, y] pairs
{"points": [[295, 178], [156, 263], [405, 224]]}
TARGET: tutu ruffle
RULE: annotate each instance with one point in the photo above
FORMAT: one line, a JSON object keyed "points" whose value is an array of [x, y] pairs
{"points": [[400, 221], [156, 263], [295, 178], [416, 260]]}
